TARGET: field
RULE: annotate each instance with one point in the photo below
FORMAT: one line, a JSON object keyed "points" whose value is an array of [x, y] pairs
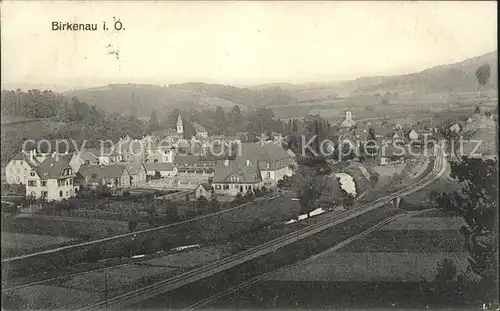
{"points": [[404, 250], [402, 109], [24, 242], [383, 270]]}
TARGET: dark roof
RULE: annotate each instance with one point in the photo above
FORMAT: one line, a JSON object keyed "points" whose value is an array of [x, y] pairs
{"points": [[109, 171], [239, 168], [159, 166], [53, 166], [193, 160], [133, 167], [85, 155], [267, 153]]}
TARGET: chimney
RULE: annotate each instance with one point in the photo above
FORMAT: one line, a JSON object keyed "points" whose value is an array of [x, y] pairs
{"points": [[54, 154], [248, 162], [226, 162]]}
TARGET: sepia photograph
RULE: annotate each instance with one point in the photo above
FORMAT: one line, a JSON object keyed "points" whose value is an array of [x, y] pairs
{"points": [[249, 155]]}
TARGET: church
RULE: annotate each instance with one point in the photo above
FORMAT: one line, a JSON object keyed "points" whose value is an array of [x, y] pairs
{"points": [[348, 122]]}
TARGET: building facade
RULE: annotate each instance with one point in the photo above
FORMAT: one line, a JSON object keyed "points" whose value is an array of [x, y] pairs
{"points": [[52, 180]]}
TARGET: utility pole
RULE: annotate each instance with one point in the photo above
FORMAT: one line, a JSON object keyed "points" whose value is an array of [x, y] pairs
{"points": [[106, 289]]}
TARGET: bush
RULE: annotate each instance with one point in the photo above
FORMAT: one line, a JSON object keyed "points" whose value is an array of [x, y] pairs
{"points": [[238, 199], [93, 254], [214, 206]]}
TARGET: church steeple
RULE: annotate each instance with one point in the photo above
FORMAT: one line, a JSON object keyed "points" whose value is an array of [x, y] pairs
{"points": [[180, 128]]}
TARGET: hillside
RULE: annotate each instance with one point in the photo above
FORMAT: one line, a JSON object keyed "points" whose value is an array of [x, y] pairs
{"points": [[450, 78], [141, 99]]}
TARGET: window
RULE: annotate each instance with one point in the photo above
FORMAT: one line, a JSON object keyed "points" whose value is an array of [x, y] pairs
{"points": [[71, 181], [60, 193], [32, 174], [226, 187], [44, 194], [43, 183], [17, 179], [70, 171], [217, 187], [18, 170], [32, 183], [67, 193], [268, 174]]}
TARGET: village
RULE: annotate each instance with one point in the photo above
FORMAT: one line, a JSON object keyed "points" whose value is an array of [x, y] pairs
{"points": [[165, 166]]}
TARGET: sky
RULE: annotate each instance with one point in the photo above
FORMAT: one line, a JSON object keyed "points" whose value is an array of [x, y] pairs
{"points": [[239, 43]]}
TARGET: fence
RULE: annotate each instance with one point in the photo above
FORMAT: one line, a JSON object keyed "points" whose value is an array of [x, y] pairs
{"points": [[212, 227], [176, 196]]}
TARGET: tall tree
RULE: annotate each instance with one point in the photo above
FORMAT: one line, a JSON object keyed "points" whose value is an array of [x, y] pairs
{"points": [[220, 121], [235, 119], [477, 204], [153, 121], [483, 74], [310, 182]]}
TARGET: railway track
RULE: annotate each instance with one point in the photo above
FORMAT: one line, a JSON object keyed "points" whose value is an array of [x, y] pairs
{"points": [[268, 247]]}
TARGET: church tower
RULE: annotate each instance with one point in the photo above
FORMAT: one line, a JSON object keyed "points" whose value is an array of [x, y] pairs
{"points": [[348, 122], [180, 128]]}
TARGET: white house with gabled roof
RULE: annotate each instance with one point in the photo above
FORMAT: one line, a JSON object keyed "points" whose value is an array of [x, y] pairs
{"points": [[52, 180]]}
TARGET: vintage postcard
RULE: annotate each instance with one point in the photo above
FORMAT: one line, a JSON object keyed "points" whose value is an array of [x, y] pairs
{"points": [[226, 155]]}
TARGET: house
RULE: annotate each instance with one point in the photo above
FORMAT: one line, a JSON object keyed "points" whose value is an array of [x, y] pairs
{"points": [[160, 155], [76, 161], [455, 128], [201, 132], [89, 158], [204, 190], [165, 169], [196, 166], [236, 176], [105, 155], [137, 172], [130, 149], [273, 160], [52, 180], [16, 171], [391, 155], [113, 176], [412, 134]]}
